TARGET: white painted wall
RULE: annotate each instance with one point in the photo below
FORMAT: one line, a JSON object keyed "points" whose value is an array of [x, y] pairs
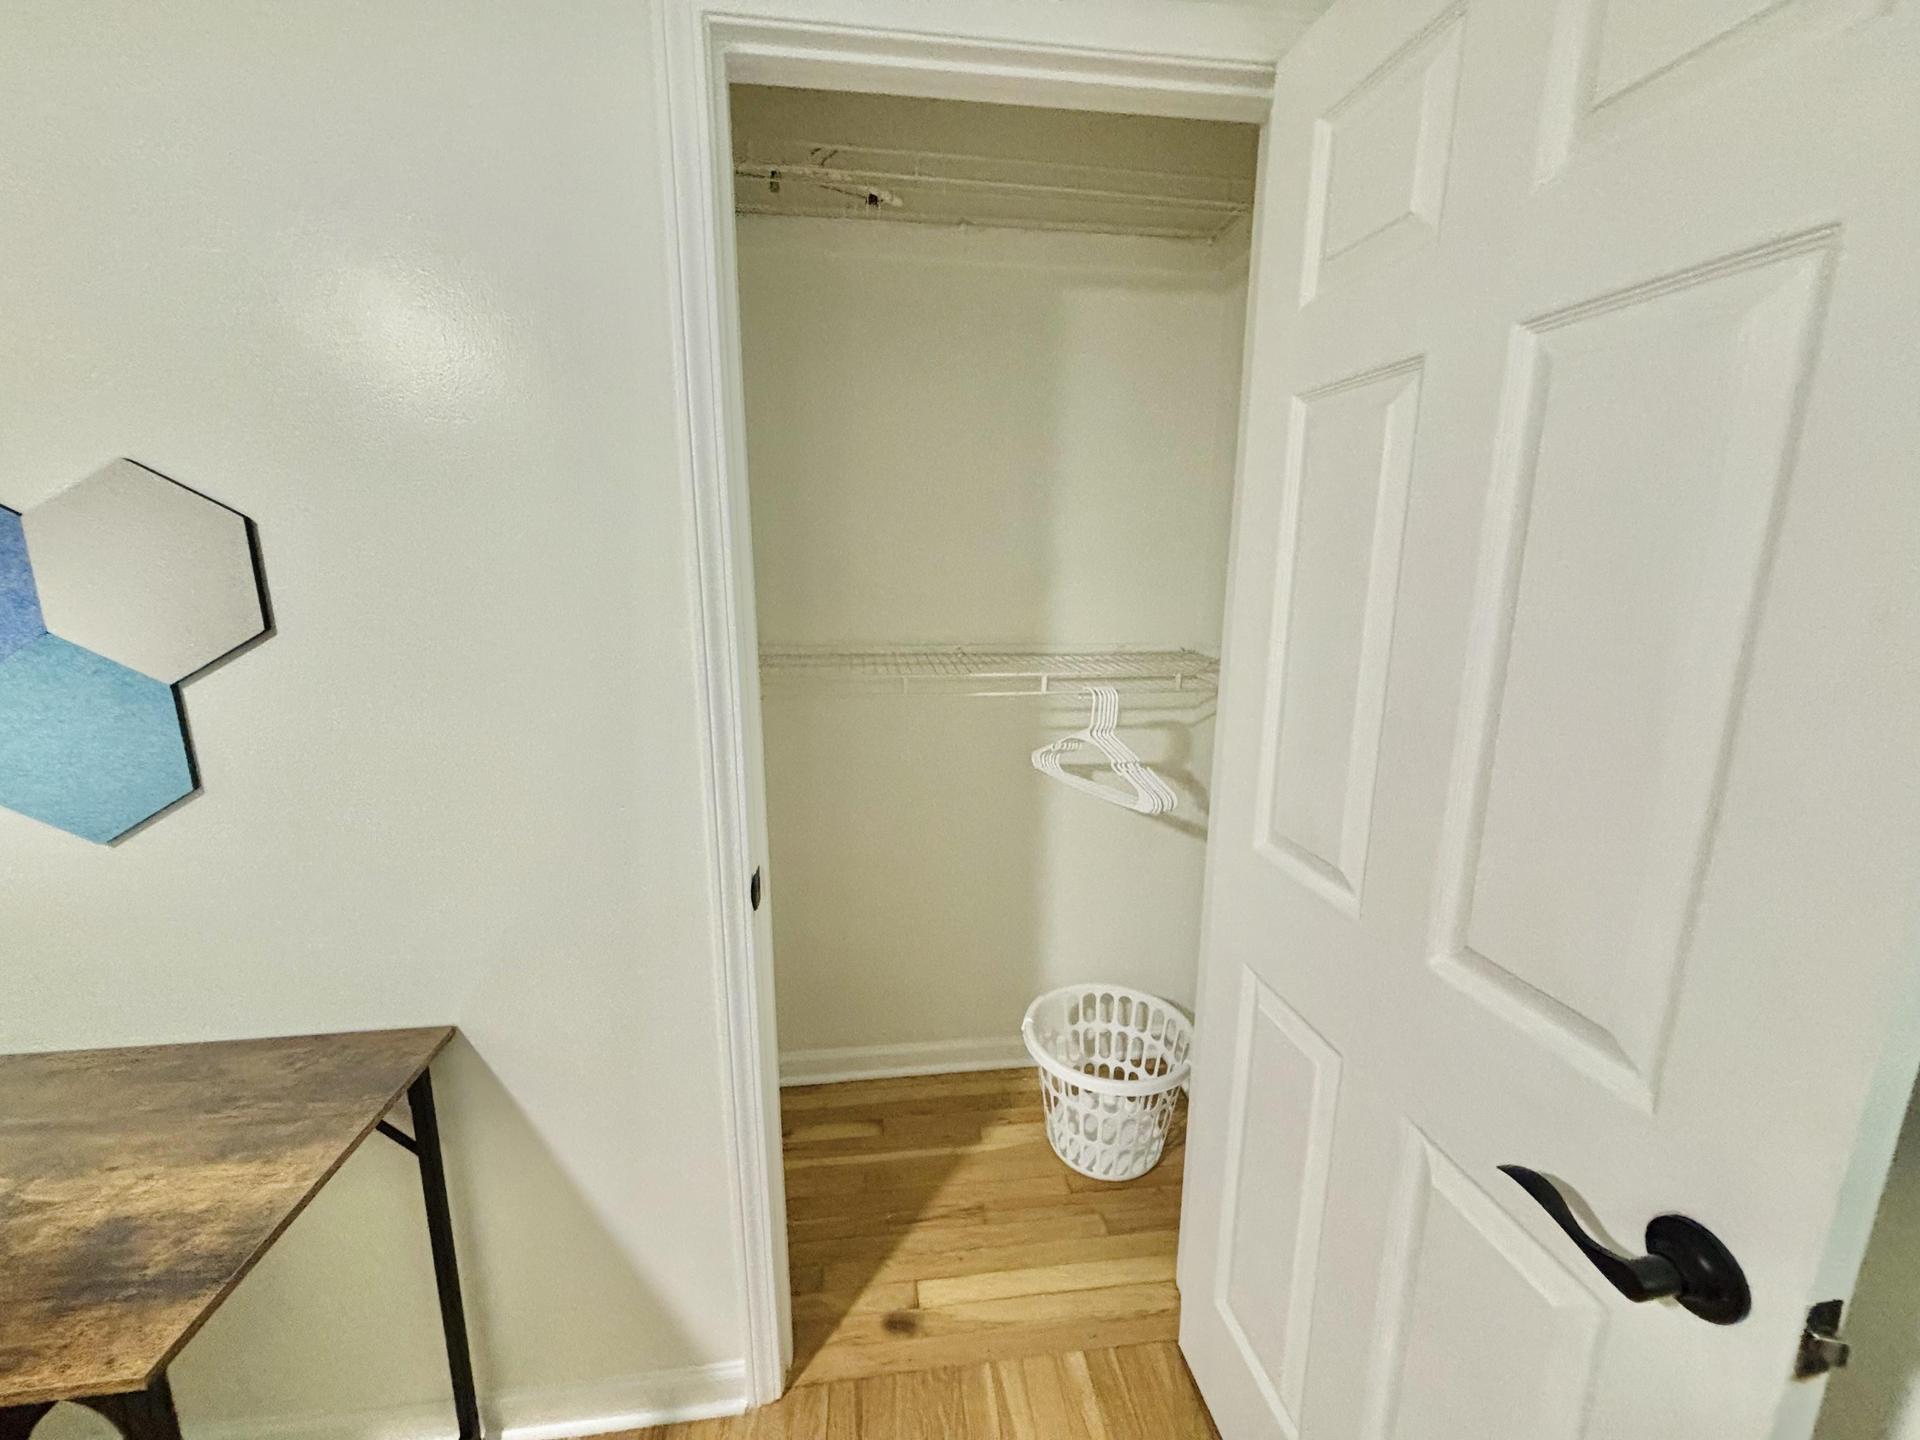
{"points": [[978, 435], [390, 278], [1877, 1397]]}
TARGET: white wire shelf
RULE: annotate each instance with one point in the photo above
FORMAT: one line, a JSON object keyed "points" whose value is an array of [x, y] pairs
{"points": [[982, 671]]}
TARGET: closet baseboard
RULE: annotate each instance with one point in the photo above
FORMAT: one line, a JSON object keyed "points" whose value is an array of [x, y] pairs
{"points": [[884, 1062]]}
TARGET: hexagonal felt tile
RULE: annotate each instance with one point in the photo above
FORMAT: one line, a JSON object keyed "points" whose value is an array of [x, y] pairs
{"points": [[87, 745], [146, 572], [20, 621]]}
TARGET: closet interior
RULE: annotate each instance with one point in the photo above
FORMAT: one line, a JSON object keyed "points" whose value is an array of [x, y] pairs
{"points": [[992, 364], [992, 368]]}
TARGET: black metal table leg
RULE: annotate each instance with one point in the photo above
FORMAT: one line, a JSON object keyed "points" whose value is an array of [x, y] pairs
{"points": [[17, 1421], [140, 1414], [446, 1271]]}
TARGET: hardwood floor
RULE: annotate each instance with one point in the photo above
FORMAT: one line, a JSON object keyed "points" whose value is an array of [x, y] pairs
{"points": [[1129, 1392], [953, 1280]]}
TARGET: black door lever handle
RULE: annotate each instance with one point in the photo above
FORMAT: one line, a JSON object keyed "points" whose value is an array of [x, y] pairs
{"points": [[1685, 1260]]}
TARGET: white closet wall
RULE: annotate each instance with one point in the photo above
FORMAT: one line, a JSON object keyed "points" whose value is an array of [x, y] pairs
{"points": [[978, 436]]}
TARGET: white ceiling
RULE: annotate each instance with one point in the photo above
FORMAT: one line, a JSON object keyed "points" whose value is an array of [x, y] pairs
{"points": [[952, 162]]}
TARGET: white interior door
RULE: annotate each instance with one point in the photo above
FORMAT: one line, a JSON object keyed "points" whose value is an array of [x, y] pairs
{"points": [[1567, 811]]}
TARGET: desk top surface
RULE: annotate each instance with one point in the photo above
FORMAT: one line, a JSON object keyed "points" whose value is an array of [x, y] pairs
{"points": [[137, 1187]]}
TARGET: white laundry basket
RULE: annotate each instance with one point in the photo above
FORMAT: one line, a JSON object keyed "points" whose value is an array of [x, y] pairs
{"points": [[1112, 1062]]}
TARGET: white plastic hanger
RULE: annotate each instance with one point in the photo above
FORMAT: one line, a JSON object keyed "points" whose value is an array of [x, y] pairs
{"points": [[1146, 792]]}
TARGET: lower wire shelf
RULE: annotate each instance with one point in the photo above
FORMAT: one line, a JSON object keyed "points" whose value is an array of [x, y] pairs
{"points": [[989, 671]]}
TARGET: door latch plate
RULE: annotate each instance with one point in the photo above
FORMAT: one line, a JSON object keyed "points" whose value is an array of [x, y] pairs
{"points": [[1821, 1348]]}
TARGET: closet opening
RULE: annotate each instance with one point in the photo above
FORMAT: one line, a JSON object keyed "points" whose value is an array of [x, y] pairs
{"points": [[991, 359]]}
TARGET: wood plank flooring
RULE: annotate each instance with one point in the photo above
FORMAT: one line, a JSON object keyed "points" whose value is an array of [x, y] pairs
{"points": [[1129, 1392], [952, 1279]]}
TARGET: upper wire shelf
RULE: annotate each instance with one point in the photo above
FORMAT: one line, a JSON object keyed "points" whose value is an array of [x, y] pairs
{"points": [[981, 671]]}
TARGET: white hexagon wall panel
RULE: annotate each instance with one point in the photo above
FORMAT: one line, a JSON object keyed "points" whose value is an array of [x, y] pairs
{"points": [[111, 593], [146, 572]]}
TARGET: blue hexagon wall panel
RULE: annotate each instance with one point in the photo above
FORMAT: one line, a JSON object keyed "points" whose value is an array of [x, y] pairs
{"points": [[20, 622], [86, 744], [111, 593]]}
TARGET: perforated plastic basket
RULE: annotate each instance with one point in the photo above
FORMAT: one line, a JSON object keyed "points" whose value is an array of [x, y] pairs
{"points": [[1112, 1062]]}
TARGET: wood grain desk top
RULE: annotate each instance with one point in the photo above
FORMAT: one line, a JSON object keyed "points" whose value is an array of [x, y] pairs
{"points": [[137, 1187]]}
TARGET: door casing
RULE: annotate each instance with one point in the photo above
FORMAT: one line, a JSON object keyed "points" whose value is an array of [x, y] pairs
{"points": [[706, 52]]}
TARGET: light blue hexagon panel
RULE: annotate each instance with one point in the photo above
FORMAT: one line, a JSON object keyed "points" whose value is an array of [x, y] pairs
{"points": [[85, 744], [112, 593], [20, 620]]}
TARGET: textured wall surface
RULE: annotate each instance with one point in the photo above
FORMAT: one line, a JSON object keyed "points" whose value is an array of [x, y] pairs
{"points": [[390, 279]]}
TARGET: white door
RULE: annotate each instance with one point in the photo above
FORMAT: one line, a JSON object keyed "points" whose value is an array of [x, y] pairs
{"points": [[1568, 810]]}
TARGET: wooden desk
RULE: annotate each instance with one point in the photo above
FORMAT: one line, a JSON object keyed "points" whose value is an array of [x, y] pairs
{"points": [[138, 1186]]}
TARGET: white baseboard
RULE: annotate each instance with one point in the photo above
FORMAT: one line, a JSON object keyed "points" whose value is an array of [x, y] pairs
{"points": [[879, 1062], [665, 1397], [561, 1412], [400, 1422]]}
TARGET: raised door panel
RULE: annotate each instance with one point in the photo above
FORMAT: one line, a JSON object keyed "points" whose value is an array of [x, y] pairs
{"points": [[1646, 440], [1380, 161], [1349, 462], [1484, 1333], [1280, 1143], [1619, 61]]}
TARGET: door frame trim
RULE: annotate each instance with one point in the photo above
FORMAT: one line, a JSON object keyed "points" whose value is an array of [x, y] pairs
{"points": [[702, 53]]}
